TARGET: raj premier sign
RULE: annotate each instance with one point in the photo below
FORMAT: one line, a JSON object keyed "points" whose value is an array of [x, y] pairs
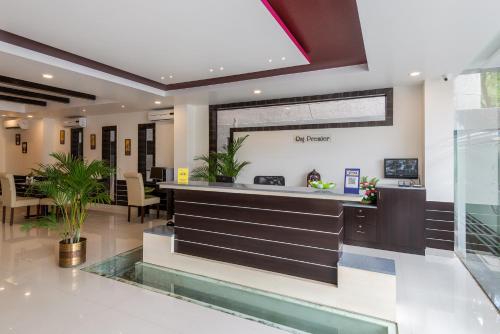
{"points": [[312, 139]]}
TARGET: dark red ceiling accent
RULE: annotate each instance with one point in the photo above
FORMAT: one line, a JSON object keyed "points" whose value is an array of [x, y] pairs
{"points": [[328, 31]]}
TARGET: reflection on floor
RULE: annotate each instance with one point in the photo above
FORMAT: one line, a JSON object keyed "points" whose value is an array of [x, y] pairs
{"points": [[436, 294]]}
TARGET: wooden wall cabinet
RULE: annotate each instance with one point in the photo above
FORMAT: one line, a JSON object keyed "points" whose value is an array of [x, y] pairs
{"points": [[398, 221]]}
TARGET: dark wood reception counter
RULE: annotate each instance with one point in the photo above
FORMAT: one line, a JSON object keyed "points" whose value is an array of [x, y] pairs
{"points": [[289, 230]]}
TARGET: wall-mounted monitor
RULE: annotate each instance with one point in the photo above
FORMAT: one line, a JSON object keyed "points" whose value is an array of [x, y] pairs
{"points": [[401, 168]]}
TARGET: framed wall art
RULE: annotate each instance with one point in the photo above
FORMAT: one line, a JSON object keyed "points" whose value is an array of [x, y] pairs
{"points": [[128, 146]]}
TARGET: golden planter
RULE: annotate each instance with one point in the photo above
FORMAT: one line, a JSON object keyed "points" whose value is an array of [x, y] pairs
{"points": [[71, 255]]}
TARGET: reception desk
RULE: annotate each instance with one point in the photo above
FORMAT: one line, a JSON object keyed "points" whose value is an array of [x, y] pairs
{"points": [[289, 230]]}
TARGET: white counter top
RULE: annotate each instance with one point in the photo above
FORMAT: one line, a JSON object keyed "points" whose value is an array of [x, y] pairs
{"points": [[256, 189]]}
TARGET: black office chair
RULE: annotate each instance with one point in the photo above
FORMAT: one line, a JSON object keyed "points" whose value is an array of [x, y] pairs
{"points": [[270, 180]]}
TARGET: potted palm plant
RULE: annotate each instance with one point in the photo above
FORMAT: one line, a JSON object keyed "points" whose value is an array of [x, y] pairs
{"points": [[71, 184], [223, 165]]}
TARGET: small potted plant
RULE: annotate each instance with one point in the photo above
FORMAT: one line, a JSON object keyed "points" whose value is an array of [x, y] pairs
{"points": [[221, 166], [369, 188], [72, 185]]}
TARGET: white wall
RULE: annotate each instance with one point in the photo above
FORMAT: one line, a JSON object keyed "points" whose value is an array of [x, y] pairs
{"points": [[127, 129], [190, 134], [439, 127], [43, 139], [275, 153]]}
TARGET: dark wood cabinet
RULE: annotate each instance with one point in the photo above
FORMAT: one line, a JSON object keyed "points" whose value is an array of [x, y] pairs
{"points": [[401, 217], [396, 223], [361, 225]]}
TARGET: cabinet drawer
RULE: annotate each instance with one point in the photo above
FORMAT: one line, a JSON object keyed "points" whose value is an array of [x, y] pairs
{"points": [[362, 232], [358, 215]]}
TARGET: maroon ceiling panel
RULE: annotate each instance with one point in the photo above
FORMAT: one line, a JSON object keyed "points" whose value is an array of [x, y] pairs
{"points": [[328, 30]]}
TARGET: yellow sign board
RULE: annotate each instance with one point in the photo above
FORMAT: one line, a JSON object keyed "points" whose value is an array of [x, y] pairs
{"points": [[182, 175]]}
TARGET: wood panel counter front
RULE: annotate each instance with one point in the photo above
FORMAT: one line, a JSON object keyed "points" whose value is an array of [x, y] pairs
{"points": [[294, 231]]}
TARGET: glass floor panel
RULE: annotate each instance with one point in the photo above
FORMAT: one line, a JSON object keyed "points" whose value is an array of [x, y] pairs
{"points": [[286, 313]]}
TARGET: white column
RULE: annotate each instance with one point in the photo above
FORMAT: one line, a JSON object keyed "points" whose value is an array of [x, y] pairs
{"points": [[190, 134], [439, 132]]}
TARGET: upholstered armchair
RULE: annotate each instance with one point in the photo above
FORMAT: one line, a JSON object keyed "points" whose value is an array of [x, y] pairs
{"points": [[10, 199], [136, 195]]}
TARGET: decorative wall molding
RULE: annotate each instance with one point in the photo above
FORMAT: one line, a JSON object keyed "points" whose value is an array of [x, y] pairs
{"points": [[214, 109]]}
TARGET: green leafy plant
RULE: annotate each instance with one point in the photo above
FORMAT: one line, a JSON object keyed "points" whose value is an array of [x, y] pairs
{"points": [[222, 163], [73, 184]]}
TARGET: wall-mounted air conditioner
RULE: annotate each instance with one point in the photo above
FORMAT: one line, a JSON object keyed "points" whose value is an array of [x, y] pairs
{"points": [[79, 122], [161, 115], [22, 124]]}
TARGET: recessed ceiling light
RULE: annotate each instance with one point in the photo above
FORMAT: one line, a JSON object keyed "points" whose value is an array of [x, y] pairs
{"points": [[211, 70], [221, 68], [171, 76], [287, 108], [84, 110], [157, 102], [30, 116], [414, 74], [283, 58], [257, 91], [123, 106], [163, 78], [270, 60], [27, 293], [47, 76]]}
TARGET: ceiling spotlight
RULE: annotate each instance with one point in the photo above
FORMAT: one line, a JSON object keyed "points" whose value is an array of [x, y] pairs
{"points": [[270, 60], [414, 74], [257, 91], [30, 116], [163, 78], [211, 70], [47, 76], [171, 76], [157, 102], [283, 58], [221, 68], [123, 106]]}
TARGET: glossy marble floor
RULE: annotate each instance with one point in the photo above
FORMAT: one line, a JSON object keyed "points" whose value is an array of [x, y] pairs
{"points": [[435, 293]]}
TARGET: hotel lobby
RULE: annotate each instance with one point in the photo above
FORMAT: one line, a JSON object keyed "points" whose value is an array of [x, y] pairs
{"points": [[253, 166]]}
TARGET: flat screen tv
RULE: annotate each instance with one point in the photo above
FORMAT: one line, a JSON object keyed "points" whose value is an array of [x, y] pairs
{"points": [[401, 168]]}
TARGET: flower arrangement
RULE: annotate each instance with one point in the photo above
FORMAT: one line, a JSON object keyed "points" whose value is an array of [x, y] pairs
{"points": [[322, 185], [369, 188]]}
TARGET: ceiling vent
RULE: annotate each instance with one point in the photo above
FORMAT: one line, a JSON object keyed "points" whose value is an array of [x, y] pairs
{"points": [[80, 122], [22, 124]]}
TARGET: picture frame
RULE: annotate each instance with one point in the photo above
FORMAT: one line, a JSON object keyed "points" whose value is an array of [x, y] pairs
{"points": [[128, 146], [25, 147], [62, 137], [351, 180], [92, 141], [18, 139]]}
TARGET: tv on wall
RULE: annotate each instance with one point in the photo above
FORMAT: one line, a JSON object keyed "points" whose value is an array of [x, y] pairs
{"points": [[401, 168]]}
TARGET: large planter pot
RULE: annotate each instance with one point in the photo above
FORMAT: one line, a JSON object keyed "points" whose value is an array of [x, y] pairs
{"points": [[71, 255]]}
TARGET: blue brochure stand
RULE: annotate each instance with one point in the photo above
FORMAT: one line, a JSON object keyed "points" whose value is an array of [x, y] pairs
{"points": [[351, 181]]}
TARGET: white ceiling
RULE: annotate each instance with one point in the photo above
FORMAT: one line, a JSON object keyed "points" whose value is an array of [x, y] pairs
{"points": [[434, 37], [158, 38], [110, 95]]}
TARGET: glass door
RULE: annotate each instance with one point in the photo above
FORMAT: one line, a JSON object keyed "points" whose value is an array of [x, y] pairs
{"points": [[477, 175]]}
